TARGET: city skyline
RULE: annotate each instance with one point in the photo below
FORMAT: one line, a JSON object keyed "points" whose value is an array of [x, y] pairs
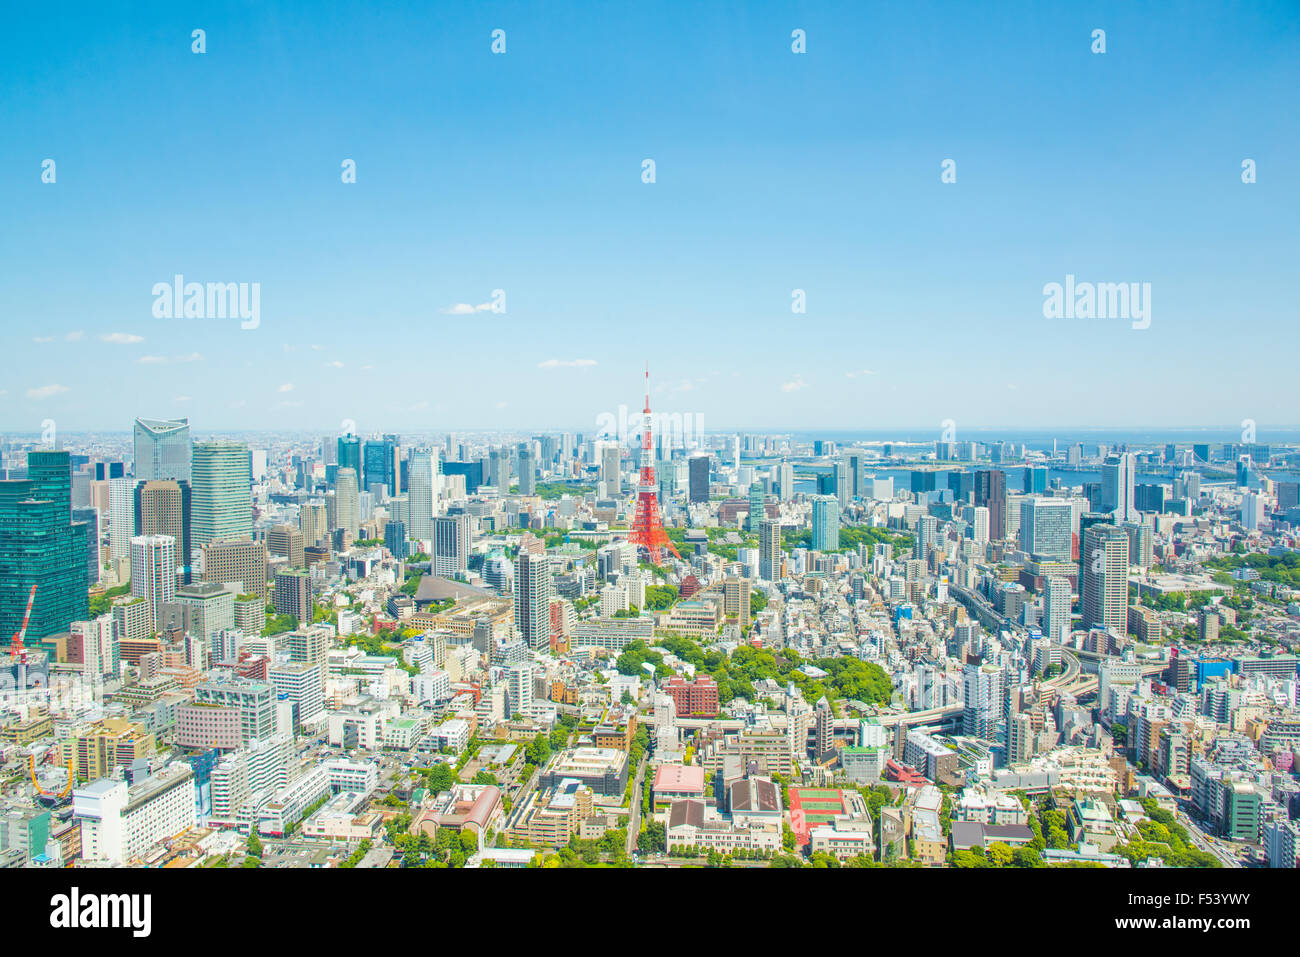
{"points": [[585, 436]]}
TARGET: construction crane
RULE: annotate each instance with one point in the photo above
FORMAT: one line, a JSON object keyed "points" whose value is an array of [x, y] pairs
{"points": [[16, 650], [52, 794]]}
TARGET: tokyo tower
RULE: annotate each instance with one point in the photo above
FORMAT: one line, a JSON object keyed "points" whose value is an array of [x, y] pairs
{"points": [[647, 527]]}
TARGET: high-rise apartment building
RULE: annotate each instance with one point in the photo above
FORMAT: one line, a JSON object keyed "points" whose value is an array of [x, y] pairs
{"points": [[1103, 587], [757, 510], [292, 594], [769, 551], [347, 503], [314, 523], [1056, 607], [153, 573], [533, 594], [121, 518]]}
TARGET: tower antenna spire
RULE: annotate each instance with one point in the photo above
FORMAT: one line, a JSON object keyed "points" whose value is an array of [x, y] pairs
{"points": [[647, 527]]}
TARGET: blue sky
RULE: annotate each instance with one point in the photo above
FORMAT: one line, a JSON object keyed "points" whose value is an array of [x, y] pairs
{"points": [[775, 171]]}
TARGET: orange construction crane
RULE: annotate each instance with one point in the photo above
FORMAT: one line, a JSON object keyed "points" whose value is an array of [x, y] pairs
{"points": [[44, 793], [16, 651]]}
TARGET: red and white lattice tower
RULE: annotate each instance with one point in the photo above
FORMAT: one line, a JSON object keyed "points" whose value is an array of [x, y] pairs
{"points": [[647, 527]]}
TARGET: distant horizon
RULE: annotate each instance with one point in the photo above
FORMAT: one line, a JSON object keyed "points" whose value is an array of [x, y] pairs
{"points": [[1266, 434]]}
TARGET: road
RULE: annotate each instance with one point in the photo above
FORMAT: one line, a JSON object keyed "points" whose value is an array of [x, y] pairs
{"points": [[1207, 843], [634, 819]]}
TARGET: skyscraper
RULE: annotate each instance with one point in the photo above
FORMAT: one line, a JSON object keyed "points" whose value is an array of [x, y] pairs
{"points": [[1035, 479], [381, 458], [497, 469], [769, 551], [533, 593], [1103, 589], [153, 573], [757, 513], [927, 535], [991, 493], [349, 453], [527, 469], [420, 494], [312, 520], [699, 478], [610, 464], [450, 545], [1056, 607], [785, 481], [843, 483], [1046, 527], [1118, 478], [856, 464], [826, 523], [221, 496], [121, 518], [982, 712], [163, 507], [347, 503], [40, 545], [162, 450]]}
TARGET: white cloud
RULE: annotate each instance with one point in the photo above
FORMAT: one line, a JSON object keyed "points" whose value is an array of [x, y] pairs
{"points": [[46, 391], [334, 365], [73, 336], [566, 364], [42, 338], [287, 387], [182, 398], [501, 405], [794, 385], [317, 348], [465, 309], [859, 372], [121, 338], [162, 360]]}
